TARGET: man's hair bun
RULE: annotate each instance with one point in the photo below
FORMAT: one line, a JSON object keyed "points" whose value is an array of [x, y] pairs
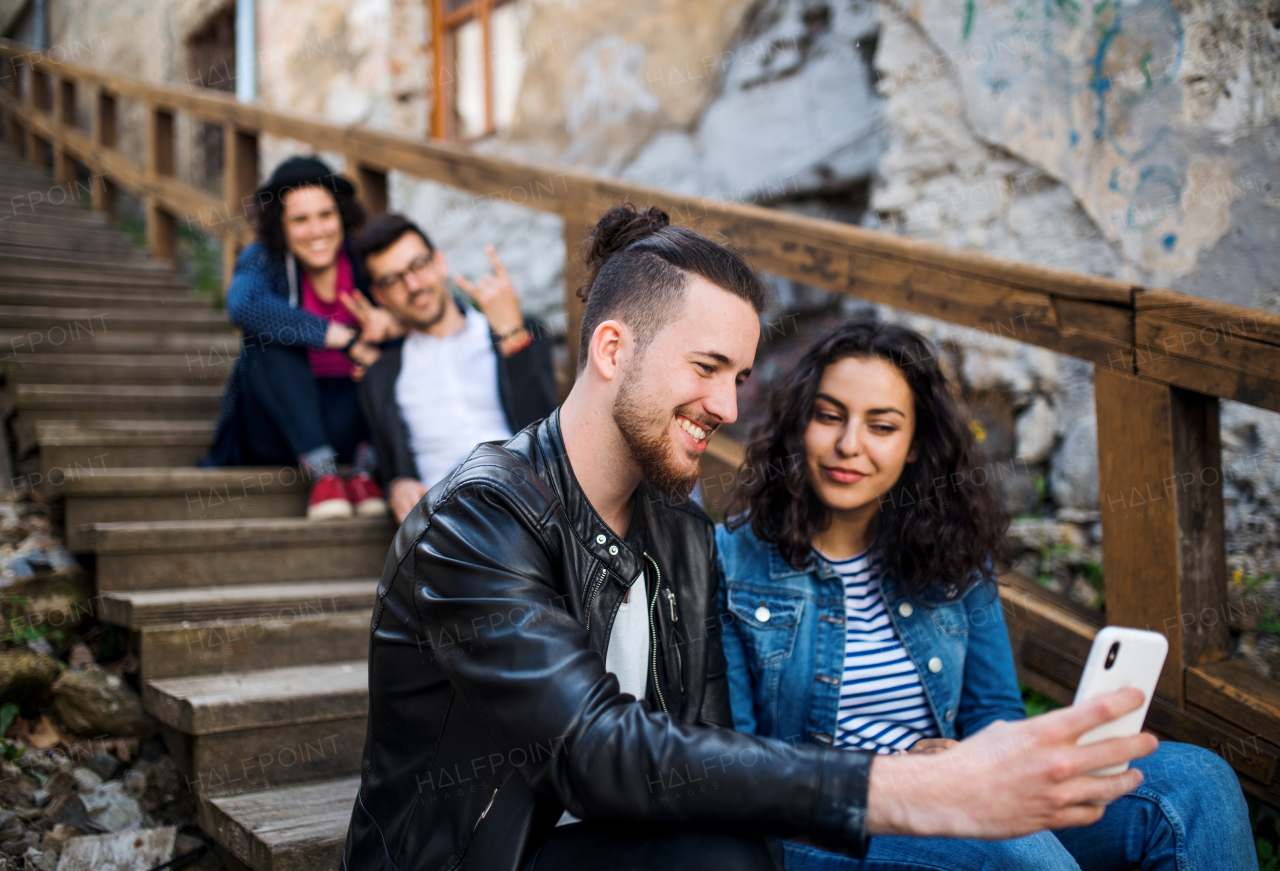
{"points": [[619, 227]]}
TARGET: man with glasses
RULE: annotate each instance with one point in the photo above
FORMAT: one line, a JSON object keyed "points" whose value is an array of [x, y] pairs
{"points": [[450, 376]]}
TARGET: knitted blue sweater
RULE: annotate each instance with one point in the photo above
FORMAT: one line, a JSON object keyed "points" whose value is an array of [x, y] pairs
{"points": [[265, 294]]}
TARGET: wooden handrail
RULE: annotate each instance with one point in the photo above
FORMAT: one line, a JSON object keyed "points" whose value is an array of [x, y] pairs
{"points": [[1161, 358], [1102, 320]]}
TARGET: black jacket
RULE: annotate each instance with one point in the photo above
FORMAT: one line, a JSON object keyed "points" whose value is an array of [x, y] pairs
{"points": [[526, 389], [490, 710]]}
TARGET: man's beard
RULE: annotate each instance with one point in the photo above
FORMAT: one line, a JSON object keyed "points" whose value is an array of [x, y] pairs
{"points": [[650, 442], [424, 324]]}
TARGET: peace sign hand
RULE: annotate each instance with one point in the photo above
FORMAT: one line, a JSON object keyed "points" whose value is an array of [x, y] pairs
{"points": [[495, 295], [377, 325]]}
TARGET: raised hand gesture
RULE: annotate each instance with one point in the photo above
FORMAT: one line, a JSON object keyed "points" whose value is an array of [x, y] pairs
{"points": [[496, 296]]}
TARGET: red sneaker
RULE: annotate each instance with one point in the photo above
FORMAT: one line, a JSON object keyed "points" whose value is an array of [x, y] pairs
{"points": [[328, 499], [366, 496]]}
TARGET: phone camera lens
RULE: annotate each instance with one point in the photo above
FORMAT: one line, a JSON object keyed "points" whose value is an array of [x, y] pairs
{"points": [[1111, 655]]}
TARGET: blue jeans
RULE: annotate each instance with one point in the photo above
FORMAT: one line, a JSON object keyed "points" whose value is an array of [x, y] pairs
{"points": [[1188, 815], [288, 412]]}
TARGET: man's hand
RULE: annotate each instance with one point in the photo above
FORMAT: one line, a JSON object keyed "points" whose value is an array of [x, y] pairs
{"points": [[1011, 779], [496, 296], [404, 494], [377, 325], [364, 354]]}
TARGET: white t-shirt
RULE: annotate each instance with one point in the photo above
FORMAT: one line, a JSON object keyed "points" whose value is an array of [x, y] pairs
{"points": [[628, 653], [447, 392]]}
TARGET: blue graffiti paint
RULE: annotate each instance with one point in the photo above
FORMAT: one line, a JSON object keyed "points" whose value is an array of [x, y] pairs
{"points": [[1099, 82], [1169, 241], [1075, 136]]}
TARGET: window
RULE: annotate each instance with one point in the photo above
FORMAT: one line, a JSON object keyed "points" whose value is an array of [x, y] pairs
{"points": [[479, 63]]}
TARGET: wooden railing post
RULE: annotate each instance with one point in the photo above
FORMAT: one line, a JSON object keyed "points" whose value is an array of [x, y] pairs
{"points": [[162, 226], [103, 134], [34, 101], [577, 229], [371, 186], [1163, 551], [14, 131], [64, 105], [239, 181]]}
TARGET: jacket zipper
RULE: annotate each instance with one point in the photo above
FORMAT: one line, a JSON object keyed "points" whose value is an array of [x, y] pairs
{"points": [[675, 618], [484, 813], [653, 636], [595, 592], [653, 632]]}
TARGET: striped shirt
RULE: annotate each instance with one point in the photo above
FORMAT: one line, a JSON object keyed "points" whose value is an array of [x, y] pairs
{"points": [[882, 703]]}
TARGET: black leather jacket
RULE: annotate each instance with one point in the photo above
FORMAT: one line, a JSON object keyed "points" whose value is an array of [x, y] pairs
{"points": [[490, 710]]}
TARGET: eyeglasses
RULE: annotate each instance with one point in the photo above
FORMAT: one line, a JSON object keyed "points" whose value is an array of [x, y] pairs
{"points": [[417, 266]]}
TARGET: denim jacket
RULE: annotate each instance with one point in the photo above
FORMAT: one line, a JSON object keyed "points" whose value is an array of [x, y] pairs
{"points": [[784, 632]]}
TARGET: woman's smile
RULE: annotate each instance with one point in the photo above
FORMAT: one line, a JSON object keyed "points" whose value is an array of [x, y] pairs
{"points": [[843, 476]]}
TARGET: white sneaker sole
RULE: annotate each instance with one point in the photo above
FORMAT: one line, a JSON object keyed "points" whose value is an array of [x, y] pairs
{"points": [[371, 508], [330, 509]]}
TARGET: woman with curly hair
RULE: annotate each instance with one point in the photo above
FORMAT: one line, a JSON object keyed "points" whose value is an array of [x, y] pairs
{"points": [[293, 397], [861, 611]]}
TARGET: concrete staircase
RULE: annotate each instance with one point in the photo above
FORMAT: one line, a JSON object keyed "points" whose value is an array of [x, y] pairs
{"points": [[250, 622]]}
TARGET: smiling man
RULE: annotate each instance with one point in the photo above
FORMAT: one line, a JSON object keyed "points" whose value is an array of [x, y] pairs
{"points": [[547, 688], [458, 376]]}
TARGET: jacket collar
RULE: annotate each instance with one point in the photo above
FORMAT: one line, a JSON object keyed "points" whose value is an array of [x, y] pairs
{"points": [[623, 557]]}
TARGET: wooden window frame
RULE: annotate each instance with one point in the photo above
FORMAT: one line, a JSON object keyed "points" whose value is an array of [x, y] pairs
{"points": [[443, 26]]}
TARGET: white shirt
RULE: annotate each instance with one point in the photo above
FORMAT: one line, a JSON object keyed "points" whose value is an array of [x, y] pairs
{"points": [[628, 653], [447, 392]]}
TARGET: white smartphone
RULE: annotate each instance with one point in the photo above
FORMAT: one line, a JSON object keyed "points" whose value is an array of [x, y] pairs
{"points": [[1121, 658]]}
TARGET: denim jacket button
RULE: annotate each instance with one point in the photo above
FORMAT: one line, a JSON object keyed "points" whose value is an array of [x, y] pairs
{"points": [[949, 715], [905, 610], [935, 665], [763, 614]]}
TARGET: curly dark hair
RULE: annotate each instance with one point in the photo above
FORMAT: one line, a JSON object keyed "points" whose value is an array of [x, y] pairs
{"points": [[268, 217], [940, 530]]}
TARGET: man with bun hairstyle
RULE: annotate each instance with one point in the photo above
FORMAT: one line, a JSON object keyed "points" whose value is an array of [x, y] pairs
{"points": [[547, 688]]}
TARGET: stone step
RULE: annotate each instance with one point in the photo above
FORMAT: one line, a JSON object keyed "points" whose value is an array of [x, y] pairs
{"points": [[172, 369], [203, 553], [71, 256], [71, 445], [34, 403], [106, 278], [96, 493], [271, 639], [237, 732], [143, 270], [290, 828], [135, 609], [205, 348], [81, 322], [106, 243], [80, 297], [44, 215]]}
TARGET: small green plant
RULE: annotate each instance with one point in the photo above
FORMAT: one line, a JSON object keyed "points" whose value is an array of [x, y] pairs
{"points": [[1093, 574], [19, 630], [1265, 837], [10, 750], [1251, 585], [1035, 702]]}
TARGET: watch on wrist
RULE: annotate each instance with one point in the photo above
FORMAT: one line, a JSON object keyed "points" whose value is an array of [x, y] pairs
{"points": [[355, 338]]}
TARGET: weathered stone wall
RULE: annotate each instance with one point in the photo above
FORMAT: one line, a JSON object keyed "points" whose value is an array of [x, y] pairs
{"points": [[1134, 140]]}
